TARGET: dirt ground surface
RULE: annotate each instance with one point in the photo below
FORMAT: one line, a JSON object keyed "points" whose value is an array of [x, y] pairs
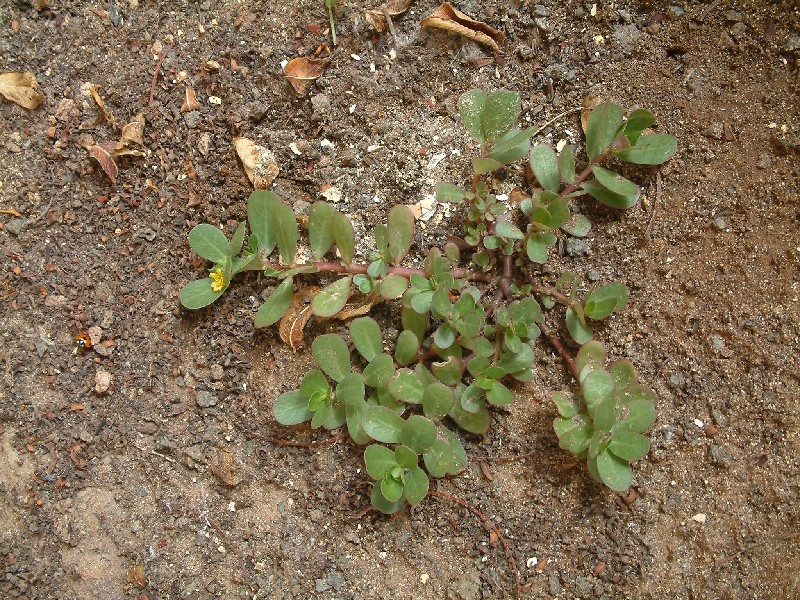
{"points": [[152, 489]]}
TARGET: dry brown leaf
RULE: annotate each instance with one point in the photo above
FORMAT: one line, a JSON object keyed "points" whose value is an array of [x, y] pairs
{"points": [[259, 163], [136, 575], [103, 156], [223, 467], [589, 104], [356, 306], [302, 72], [104, 114], [291, 325], [21, 88], [134, 131], [190, 102], [451, 19], [377, 17]]}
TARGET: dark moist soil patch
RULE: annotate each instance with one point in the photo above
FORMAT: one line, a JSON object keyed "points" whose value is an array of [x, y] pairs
{"points": [[153, 490]]}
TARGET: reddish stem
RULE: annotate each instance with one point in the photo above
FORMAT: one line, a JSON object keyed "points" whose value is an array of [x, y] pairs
{"points": [[556, 343]]}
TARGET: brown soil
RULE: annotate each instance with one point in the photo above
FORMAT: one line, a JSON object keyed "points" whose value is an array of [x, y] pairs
{"points": [[156, 472]]}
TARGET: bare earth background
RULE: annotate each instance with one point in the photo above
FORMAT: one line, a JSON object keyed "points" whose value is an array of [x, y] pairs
{"points": [[151, 490]]}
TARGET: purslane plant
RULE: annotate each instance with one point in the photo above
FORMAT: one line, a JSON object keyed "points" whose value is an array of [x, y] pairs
{"points": [[470, 312]]}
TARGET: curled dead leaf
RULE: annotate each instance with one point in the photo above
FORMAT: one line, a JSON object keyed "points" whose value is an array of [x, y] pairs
{"points": [[259, 162], [103, 156], [223, 467], [357, 305], [302, 72], [190, 102], [21, 88], [451, 19], [134, 131], [589, 104], [377, 16], [291, 325], [136, 576]]}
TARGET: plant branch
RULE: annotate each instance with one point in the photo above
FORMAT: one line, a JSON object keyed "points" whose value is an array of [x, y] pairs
{"points": [[543, 290], [359, 269], [556, 343], [584, 175]]}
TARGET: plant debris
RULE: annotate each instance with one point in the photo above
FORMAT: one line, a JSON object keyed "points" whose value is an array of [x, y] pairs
{"points": [[377, 17], [21, 88], [451, 19], [302, 72]]}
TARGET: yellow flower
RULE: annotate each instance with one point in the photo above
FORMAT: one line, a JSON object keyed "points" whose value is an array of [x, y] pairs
{"points": [[217, 280]]}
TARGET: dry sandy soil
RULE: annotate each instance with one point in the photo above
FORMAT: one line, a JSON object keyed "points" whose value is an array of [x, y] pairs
{"points": [[153, 490]]}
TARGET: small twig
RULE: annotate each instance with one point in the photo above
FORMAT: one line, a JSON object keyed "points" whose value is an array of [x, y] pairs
{"points": [[656, 202], [556, 343], [492, 527], [548, 291], [158, 68], [389, 23], [554, 119], [508, 458], [359, 269], [279, 442]]}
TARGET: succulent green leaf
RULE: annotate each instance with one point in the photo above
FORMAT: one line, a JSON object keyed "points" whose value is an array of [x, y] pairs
{"points": [[639, 120], [378, 372], [237, 241], [601, 193], [320, 228], [579, 331], [400, 231], [511, 362], [537, 245], [367, 337], [391, 487], [260, 206], [460, 460], [566, 165], [615, 472], [332, 298], [629, 445], [406, 386], [383, 424], [651, 149], [592, 352], [508, 230], [605, 300], [350, 392], [444, 336], [406, 347], [596, 387], [406, 457], [440, 302], [471, 105], [198, 293], [616, 183], [209, 242], [314, 385], [437, 401], [510, 155], [481, 166], [567, 406], [624, 373], [606, 413], [499, 395], [577, 226], [512, 140], [447, 192], [422, 301], [638, 416], [378, 459], [499, 114], [344, 236], [550, 211], [416, 483], [544, 164], [573, 434], [439, 458], [414, 321], [291, 408], [382, 504], [474, 422], [602, 127], [284, 224], [275, 306], [393, 286], [447, 372], [331, 353], [336, 416], [418, 433]]}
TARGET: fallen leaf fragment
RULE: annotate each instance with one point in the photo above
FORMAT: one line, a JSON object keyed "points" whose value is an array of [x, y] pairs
{"points": [[136, 576], [377, 16], [190, 102], [291, 325], [21, 88], [302, 72], [103, 156], [451, 19], [223, 467], [134, 131], [10, 211], [589, 104], [259, 162]]}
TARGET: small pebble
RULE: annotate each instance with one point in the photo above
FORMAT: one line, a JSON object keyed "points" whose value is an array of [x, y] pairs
{"points": [[206, 399], [699, 517]]}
